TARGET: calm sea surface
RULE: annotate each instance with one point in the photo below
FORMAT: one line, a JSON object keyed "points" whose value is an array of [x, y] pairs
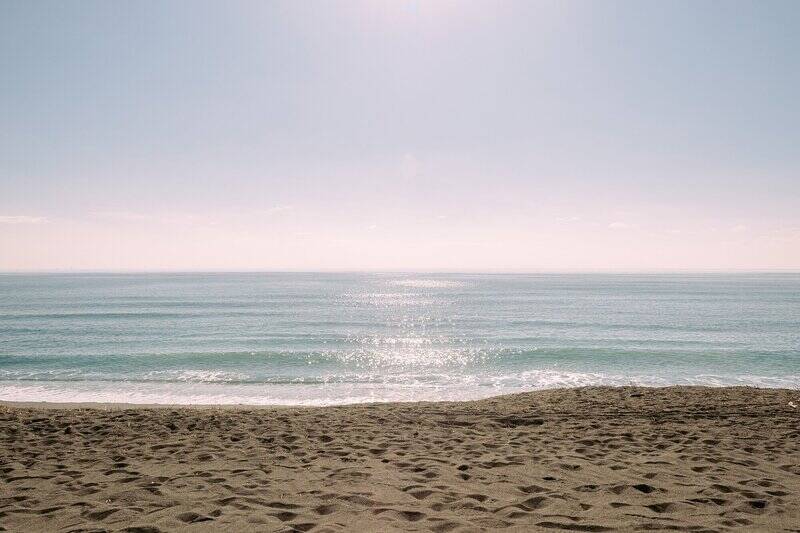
{"points": [[267, 338]]}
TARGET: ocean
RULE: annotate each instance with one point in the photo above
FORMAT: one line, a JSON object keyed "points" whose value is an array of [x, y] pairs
{"points": [[319, 339]]}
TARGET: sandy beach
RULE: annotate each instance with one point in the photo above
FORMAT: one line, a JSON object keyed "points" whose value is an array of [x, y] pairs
{"points": [[587, 459]]}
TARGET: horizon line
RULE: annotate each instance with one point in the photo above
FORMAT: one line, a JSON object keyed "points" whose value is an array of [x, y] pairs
{"points": [[410, 271]]}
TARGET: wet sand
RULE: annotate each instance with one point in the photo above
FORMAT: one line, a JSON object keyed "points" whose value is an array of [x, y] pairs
{"points": [[588, 459]]}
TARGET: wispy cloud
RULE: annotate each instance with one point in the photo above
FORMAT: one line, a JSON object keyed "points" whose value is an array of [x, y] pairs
{"points": [[568, 219], [21, 219], [189, 218], [786, 234], [127, 216], [619, 225], [161, 218], [278, 209]]}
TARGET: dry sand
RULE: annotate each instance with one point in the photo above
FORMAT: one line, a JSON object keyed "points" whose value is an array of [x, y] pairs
{"points": [[591, 459]]}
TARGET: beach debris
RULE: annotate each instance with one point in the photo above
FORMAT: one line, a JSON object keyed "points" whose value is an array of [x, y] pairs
{"points": [[792, 405]]}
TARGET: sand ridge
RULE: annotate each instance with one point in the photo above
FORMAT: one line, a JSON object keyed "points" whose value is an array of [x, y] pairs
{"points": [[586, 459]]}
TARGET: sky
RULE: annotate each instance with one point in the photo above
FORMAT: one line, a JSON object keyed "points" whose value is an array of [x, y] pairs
{"points": [[399, 135]]}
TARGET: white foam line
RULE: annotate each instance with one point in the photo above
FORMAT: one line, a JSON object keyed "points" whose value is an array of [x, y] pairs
{"points": [[204, 393]]}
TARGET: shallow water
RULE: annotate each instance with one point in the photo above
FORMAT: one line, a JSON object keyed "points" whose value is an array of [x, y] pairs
{"points": [[293, 338]]}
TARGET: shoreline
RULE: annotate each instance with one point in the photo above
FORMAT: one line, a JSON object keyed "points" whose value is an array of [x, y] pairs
{"points": [[254, 406], [580, 459]]}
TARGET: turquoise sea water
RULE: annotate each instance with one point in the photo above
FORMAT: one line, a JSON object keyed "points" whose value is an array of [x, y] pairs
{"points": [[272, 338]]}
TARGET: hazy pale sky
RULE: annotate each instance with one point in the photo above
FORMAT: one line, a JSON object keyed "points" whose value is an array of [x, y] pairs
{"points": [[399, 135]]}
